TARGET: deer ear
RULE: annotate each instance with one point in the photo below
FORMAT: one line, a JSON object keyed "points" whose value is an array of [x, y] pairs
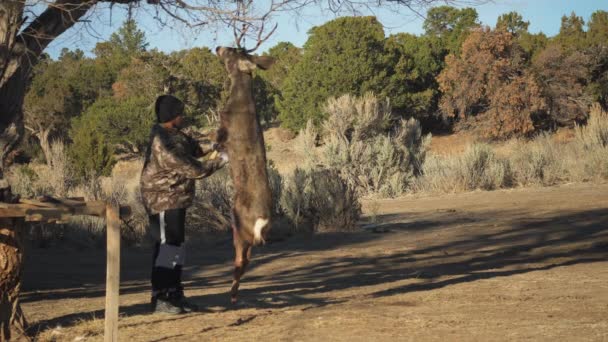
{"points": [[246, 65], [263, 62]]}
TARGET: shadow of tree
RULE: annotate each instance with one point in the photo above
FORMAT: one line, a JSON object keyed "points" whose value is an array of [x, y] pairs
{"points": [[478, 248]]}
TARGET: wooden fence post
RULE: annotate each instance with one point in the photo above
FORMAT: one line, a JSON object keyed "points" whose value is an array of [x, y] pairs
{"points": [[112, 273]]}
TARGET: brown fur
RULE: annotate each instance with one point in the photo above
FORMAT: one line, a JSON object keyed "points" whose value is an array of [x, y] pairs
{"points": [[240, 134]]}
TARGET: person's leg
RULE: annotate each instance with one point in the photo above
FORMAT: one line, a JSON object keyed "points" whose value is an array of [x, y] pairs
{"points": [[168, 260], [177, 218]]}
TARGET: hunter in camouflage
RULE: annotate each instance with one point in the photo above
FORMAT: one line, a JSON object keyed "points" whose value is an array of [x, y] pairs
{"points": [[167, 188], [171, 167]]}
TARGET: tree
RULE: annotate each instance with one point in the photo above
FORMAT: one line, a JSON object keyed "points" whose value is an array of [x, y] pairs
{"points": [[199, 79], [598, 82], [268, 84], [413, 64], [143, 77], [597, 34], [571, 35], [512, 22], [286, 56], [343, 56], [116, 54], [563, 77], [532, 43], [108, 127], [22, 42], [451, 25], [53, 98], [487, 89]]}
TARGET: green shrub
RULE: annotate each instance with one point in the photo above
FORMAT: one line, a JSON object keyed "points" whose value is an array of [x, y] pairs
{"points": [[320, 198]]}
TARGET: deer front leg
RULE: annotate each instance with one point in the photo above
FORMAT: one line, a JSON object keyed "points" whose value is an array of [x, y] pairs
{"points": [[242, 254]]}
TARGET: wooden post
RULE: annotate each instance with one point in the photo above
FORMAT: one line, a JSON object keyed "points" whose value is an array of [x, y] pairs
{"points": [[112, 273]]}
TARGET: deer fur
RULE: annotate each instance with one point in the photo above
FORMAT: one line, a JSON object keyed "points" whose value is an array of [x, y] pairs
{"points": [[240, 135]]}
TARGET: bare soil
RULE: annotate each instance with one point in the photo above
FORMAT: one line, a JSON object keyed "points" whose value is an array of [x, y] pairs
{"points": [[484, 266]]}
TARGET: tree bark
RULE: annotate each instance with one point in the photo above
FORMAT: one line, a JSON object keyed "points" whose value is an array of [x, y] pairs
{"points": [[13, 325], [19, 53], [45, 145]]}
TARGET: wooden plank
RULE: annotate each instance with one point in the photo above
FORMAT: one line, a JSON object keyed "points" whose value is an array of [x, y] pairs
{"points": [[36, 203], [10, 210], [112, 273]]}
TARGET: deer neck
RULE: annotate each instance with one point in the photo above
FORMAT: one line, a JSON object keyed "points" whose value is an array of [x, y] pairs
{"points": [[240, 89]]}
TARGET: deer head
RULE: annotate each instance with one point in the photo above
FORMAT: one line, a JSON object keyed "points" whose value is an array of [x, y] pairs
{"points": [[238, 60]]}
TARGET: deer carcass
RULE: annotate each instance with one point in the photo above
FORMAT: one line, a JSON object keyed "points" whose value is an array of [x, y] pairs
{"points": [[240, 135]]}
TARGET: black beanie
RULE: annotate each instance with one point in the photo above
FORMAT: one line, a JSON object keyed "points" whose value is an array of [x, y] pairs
{"points": [[167, 108]]}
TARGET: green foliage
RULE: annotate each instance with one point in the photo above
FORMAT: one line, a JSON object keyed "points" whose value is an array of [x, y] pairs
{"points": [[512, 22], [91, 153], [264, 94], [597, 34], [107, 127], [268, 84], [343, 56], [571, 35], [57, 92], [413, 64], [286, 56], [532, 44], [451, 25], [199, 79], [129, 40], [116, 53], [143, 77]]}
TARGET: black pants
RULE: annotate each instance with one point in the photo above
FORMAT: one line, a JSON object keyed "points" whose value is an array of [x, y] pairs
{"points": [[167, 228]]}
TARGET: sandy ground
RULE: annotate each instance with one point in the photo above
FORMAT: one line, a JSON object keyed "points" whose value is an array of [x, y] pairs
{"points": [[485, 266]]}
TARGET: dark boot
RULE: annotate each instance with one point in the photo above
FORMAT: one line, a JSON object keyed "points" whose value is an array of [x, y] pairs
{"points": [[166, 304], [185, 303]]}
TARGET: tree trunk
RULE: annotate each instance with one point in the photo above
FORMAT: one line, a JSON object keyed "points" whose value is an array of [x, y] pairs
{"points": [[20, 50], [45, 145], [12, 320]]}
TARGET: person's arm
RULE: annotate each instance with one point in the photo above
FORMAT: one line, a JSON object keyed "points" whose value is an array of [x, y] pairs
{"points": [[201, 143], [172, 158]]}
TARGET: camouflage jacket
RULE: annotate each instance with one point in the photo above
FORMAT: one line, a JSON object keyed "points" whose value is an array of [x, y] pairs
{"points": [[170, 168]]}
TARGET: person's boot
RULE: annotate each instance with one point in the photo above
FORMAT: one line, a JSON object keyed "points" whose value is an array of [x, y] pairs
{"points": [[185, 303], [166, 304]]}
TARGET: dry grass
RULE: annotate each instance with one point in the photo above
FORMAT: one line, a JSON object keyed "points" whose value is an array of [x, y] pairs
{"points": [[544, 161], [477, 168]]}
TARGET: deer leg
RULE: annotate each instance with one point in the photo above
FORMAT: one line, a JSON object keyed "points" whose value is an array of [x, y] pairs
{"points": [[240, 264], [242, 254]]}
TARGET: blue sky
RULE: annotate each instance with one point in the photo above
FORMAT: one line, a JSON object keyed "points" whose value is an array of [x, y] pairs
{"points": [[544, 15]]}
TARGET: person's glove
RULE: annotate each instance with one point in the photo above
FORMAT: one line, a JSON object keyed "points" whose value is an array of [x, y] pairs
{"points": [[223, 156]]}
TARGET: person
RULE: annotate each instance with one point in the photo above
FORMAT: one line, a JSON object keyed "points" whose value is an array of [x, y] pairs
{"points": [[167, 188]]}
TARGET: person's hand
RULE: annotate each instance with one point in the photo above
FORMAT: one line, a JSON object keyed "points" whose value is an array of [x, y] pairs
{"points": [[222, 160], [223, 156]]}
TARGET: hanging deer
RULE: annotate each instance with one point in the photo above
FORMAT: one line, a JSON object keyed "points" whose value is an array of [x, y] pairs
{"points": [[240, 135]]}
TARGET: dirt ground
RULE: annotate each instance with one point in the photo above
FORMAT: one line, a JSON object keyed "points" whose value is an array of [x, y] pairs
{"points": [[485, 266]]}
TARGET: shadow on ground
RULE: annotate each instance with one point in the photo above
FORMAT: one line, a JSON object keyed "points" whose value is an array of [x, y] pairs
{"points": [[479, 247]]}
